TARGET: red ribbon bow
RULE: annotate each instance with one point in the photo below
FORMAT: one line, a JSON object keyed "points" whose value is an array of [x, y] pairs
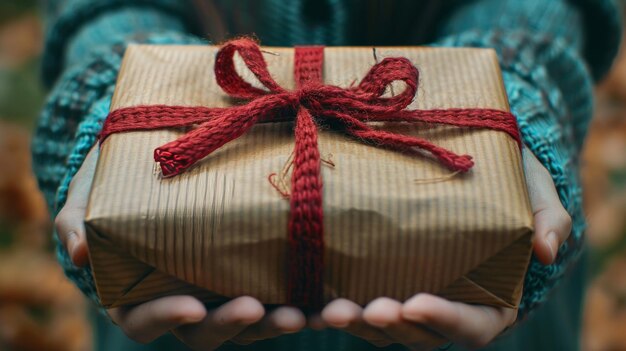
{"points": [[348, 110]]}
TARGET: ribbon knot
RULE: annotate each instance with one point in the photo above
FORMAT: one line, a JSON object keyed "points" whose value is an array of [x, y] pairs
{"points": [[312, 102]]}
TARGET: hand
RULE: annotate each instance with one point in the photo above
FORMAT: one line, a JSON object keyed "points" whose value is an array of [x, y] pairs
{"points": [[426, 321], [241, 320], [552, 222]]}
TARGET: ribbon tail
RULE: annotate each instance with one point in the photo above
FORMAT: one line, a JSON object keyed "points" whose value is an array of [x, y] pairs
{"points": [[180, 154], [455, 162], [363, 131], [306, 240]]}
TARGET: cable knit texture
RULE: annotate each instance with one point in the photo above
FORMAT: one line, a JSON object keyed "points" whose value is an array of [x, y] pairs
{"points": [[550, 52]]}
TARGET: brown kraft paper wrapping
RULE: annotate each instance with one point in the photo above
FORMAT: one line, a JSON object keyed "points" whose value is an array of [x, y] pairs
{"points": [[395, 224]]}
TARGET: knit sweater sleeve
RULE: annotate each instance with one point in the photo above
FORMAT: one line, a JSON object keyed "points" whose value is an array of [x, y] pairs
{"points": [[85, 42], [548, 58], [74, 28]]}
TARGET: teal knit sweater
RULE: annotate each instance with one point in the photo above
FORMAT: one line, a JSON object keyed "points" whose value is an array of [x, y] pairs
{"points": [[550, 53]]}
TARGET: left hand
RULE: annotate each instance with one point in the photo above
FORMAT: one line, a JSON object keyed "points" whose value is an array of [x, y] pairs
{"points": [[425, 321]]}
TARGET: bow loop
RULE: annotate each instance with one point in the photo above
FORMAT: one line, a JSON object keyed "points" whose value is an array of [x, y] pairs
{"points": [[382, 75], [231, 81]]}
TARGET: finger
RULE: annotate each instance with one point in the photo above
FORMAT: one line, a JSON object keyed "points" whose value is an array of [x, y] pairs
{"points": [[282, 320], [348, 316], [71, 231], [221, 324], [552, 222], [386, 314], [472, 326], [69, 223], [148, 321]]}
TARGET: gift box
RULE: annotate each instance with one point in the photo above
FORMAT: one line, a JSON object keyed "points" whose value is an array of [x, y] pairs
{"points": [[395, 208]]}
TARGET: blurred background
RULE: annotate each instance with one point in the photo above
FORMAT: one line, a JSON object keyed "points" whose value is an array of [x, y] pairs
{"points": [[41, 310]]}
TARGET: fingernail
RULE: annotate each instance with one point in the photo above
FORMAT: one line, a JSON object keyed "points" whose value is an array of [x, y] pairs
{"points": [[190, 320], [553, 243]]}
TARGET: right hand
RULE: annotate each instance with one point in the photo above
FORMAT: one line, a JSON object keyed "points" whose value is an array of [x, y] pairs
{"points": [[242, 320]]}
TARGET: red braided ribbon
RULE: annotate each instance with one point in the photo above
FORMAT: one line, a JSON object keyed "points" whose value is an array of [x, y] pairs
{"points": [[312, 102]]}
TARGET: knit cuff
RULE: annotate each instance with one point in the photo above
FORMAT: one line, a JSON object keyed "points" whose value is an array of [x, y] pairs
{"points": [[550, 92], [68, 127], [591, 27], [69, 17], [112, 27]]}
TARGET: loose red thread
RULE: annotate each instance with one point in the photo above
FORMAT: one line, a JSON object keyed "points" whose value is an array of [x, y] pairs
{"points": [[346, 110]]}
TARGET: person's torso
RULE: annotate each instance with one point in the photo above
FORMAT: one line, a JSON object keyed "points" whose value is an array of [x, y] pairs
{"points": [[327, 22]]}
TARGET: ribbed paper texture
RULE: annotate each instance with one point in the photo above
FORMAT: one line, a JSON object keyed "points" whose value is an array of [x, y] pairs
{"points": [[219, 230]]}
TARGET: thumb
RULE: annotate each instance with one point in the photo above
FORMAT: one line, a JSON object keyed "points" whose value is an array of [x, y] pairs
{"points": [[69, 223], [552, 222]]}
